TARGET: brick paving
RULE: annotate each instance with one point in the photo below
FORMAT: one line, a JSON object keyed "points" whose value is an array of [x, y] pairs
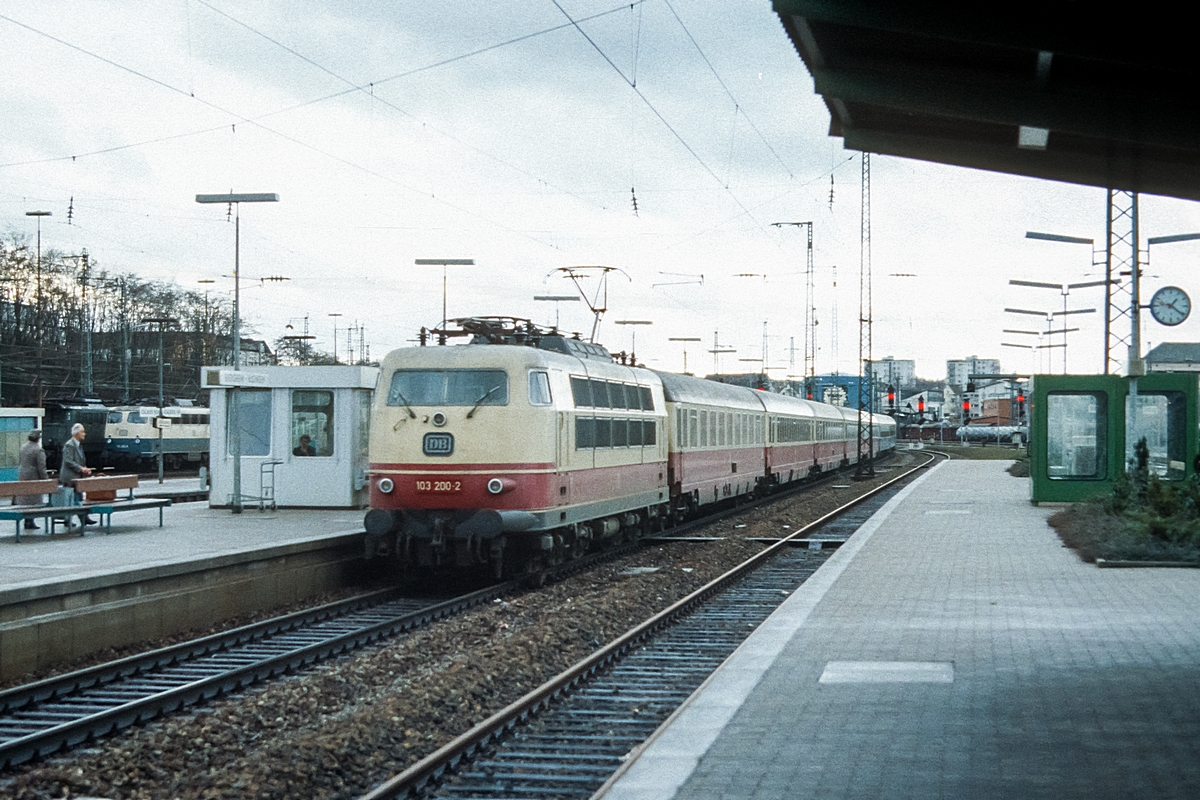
{"points": [[1068, 681]]}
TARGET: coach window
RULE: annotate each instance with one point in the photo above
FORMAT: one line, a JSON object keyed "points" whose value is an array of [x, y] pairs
{"points": [[312, 417], [539, 389], [254, 421], [680, 428], [703, 428]]}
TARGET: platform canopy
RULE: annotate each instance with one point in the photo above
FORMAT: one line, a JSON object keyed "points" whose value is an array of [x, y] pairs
{"points": [[1067, 91]]}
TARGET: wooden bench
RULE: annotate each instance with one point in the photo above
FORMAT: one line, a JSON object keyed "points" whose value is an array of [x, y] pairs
{"points": [[105, 487], [9, 489], [101, 499]]}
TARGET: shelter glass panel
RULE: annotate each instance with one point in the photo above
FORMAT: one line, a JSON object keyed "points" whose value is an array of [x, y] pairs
{"points": [[1160, 420], [254, 421], [312, 419], [1076, 435]]}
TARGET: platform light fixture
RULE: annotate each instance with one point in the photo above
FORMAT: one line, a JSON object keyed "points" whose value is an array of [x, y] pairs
{"points": [[443, 263], [236, 200], [161, 322]]}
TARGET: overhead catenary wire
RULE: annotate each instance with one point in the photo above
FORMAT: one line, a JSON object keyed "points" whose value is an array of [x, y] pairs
{"points": [[661, 118], [299, 142]]}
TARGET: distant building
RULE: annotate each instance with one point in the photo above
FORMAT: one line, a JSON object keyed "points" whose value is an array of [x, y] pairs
{"points": [[1174, 357], [901, 373], [957, 371]]}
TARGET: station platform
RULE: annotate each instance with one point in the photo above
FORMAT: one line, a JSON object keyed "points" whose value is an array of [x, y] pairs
{"points": [[952, 648], [63, 595]]}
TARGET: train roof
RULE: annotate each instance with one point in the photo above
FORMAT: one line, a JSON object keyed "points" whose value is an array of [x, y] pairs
{"points": [[689, 389]]}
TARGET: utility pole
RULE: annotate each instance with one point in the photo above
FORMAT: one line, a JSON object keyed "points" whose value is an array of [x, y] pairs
{"points": [[38, 311], [866, 402], [810, 333]]}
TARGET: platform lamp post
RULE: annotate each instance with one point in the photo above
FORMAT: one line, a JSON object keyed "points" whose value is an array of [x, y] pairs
{"points": [[633, 345], [556, 299], [1065, 290], [234, 423], [38, 312], [161, 322], [443, 263], [684, 339]]}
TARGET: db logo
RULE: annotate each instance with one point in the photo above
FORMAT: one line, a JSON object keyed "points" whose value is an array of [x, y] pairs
{"points": [[438, 444]]}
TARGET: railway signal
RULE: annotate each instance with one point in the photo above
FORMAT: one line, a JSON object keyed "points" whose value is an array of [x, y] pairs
{"points": [[891, 400]]}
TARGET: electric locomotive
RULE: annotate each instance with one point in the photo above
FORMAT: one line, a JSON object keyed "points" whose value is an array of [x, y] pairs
{"points": [[513, 452]]}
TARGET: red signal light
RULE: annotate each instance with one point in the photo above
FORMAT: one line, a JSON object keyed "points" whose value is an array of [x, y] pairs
{"points": [[966, 406], [921, 405]]}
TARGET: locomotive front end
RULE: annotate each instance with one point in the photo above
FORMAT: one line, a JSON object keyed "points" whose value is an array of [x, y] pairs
{"points": [[462, 452]]}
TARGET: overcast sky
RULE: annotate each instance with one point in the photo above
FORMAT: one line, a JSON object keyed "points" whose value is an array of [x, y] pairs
{"points": [[502, 132]]}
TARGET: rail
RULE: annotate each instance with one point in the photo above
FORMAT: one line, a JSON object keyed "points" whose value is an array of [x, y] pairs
{"points": [[445, 759]]}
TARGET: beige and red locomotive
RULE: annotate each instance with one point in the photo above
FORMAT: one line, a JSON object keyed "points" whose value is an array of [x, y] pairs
{"points": [[526, 448]]}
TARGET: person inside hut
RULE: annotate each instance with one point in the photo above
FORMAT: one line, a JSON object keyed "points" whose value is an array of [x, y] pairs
{"points": [[305, 448]]}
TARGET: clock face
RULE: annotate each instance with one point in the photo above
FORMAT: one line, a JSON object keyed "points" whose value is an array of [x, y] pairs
{"points": [[1170, 305]]}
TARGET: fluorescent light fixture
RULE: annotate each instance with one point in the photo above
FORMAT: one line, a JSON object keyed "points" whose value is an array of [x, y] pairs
{"points": [[1031, 138]]}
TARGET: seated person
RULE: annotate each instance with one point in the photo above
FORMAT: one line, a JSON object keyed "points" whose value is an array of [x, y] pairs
{"points": [[305, 448]]}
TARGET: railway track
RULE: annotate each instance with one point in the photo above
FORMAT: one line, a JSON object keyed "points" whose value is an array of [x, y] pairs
{"points": [[568, 736], [66, 711]]}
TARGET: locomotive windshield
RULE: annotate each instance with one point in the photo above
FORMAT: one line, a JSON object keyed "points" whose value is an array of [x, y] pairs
{"points": [[448, 387]]}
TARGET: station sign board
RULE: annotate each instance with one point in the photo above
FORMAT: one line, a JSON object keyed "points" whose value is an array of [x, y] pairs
{"points": [[233, 377]]}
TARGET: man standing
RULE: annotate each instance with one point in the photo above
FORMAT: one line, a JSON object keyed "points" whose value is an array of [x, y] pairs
{"points": [[31, 466], [74, 466]]}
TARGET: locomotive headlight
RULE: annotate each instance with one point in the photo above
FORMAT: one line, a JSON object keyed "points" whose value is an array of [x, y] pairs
{"points": [[386, 485], [499, 485], [439, 419]]}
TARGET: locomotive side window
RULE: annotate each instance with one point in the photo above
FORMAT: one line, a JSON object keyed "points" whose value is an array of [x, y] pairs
{"points": [[600, 394], [649, 428], [585, 433], [114, 417], [581, 391], [647, 398], [448, 387], [135, 418], [539, 389], [603, 432], [312, 419], [620, 433]]}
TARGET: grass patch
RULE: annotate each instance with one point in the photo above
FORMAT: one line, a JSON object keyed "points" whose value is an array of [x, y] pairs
{"points": [[1093, 532], [988, 452], [1142, 519]]}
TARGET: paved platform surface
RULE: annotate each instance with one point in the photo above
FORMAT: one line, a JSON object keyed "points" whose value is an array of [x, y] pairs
{"points": [[190, 532], [953, 648]]}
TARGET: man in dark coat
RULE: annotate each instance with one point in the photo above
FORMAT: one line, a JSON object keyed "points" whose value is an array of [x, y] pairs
{"points": [[31, 466], [74, 465]]}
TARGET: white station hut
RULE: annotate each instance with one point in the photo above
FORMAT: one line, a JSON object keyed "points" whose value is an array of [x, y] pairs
{"points": [[303, 435]]}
